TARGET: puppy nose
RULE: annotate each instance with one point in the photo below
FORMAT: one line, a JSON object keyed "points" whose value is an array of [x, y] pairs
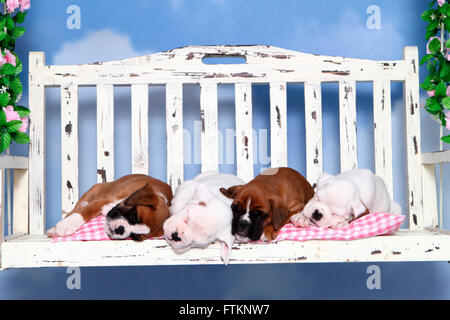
{"points": [[317, 215], [243, 223], [175, 236], [119, 230]]}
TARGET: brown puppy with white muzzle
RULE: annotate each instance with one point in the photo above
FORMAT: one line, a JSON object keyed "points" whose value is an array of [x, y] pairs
{"points": [[135, 206], [263, 205]]}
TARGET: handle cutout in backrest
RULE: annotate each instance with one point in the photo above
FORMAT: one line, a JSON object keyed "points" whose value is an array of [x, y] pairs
{"points": [[224, 59]]}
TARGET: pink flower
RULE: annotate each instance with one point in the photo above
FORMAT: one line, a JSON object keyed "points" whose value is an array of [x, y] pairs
{"points": [[24, 126], [430, 93], [24, 5], [441, 2], [447, 120], [13, 115], [428, 44], [12, 5], [9, 57]]}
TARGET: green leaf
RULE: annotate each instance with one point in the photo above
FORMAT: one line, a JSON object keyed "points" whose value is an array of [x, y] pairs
{"points": [[22, 111], [432, 105], [2, 117], [13, 126], [446, 139], [4, 99], [9, 22], [425, 58], [447, 24], [433, 25], [16, 86], [445, 69], [5, 140], [18, 32], [426, 15], [8, 69], [427, 86], [20, 17], [19, 67], [434, 46], [430, 33], [446, 102], [2, 35], [21, 137], [441, 89]]}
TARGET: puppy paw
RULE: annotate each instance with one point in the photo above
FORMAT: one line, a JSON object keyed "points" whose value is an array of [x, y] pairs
{"points": [[299, 220], [341, 225], [67, 226]]}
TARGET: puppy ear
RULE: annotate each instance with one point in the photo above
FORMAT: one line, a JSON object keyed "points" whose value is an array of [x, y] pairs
{"points": [[280, 212], [324, 178], [225, 249], [296, 206], [144, 196], [358, 208], [231, 191]]}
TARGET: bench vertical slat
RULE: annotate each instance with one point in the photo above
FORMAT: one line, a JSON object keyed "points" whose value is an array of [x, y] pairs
{"points": [[347, 125], [36, 98], [20, 201], [413, 147], [278, 124], [313, 131], [383, 132], [139, 128], [209, 133], [430, 219], [244, 130], [105, 133], [174, 131], [69, 147]]}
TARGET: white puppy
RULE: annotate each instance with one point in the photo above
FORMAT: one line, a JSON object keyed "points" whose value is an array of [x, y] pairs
{"points": [[342, 198], [201, 214]]}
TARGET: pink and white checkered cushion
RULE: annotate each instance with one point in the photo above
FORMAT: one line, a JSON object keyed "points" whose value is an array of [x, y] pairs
{"points": [[370, 225]]}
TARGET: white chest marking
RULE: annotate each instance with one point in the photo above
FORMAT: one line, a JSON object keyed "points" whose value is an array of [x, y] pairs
{"points": [[246, 216], [107, 207]]}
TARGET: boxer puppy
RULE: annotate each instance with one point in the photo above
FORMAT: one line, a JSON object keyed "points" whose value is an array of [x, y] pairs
{"points": [[341, 199], [135, 206], [200, 214], [262, 206]]}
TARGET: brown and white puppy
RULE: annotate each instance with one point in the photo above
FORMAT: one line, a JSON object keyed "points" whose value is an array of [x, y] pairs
{"points": [[135, 206], [263, 205]]}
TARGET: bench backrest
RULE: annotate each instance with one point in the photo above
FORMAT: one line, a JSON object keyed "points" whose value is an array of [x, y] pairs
{"points": [[263, 64]]}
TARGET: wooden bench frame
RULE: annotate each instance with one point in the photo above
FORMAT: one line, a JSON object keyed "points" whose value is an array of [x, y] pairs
{"points": [[27, 246]]}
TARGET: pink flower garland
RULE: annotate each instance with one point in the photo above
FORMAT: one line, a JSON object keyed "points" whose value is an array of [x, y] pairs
{"points": [[12, 5], [13, 115]]}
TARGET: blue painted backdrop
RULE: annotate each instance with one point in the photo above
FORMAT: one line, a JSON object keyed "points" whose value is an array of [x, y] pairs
{"points": [[116, 29]]}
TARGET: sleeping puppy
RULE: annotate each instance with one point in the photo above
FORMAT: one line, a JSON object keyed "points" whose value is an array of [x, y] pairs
{"points": [[200, 214], [345, 197], [135, 206], [262, 206]]}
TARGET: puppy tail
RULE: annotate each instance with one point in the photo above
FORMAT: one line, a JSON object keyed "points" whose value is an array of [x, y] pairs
{"points": [[395, 208]]}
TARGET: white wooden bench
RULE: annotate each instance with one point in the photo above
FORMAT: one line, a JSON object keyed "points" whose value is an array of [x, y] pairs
{"points": [[27, 246]]}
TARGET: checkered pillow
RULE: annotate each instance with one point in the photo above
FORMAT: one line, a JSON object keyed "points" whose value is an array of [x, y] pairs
{"points": [[370, 225]]}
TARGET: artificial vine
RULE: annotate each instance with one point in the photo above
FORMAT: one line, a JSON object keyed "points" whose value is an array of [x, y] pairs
{"points": [[437, 58], [13, 117]]}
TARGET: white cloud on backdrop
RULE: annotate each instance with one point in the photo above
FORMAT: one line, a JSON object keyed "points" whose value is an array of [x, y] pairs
{"points": [[101, 45], [349, 34]]}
